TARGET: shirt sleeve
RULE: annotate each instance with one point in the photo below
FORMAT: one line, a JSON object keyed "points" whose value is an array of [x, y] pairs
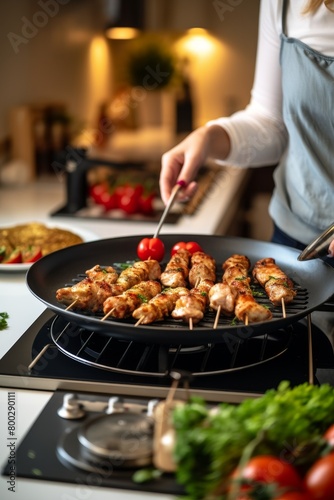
{"points": [[257, 133]]}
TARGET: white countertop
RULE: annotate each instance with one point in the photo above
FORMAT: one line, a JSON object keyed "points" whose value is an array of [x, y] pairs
{"points": [[34, 202]]}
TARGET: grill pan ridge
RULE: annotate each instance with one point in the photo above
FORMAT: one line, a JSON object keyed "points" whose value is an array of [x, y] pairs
{"points": [[314, 281]]}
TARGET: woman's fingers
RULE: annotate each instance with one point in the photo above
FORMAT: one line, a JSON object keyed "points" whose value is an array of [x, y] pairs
{"points": [[331, 249], [182, 163]]}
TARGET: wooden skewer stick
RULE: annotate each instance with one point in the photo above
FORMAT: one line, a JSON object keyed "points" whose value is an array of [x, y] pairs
{"points": [[109, 313], [190, 323], [246, 320], [197, 282], [283, 307], [140, 320], [215, 324], [71, 305]]}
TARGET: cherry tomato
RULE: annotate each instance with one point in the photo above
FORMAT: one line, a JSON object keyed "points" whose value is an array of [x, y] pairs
{"points": [[97, 191], [31, 254], [151, 248], [191, 246], [329, 435], [108, 200], [271, 469], [15, 257], [128, 198], [319, 479], [295, 495], [146, 204]]}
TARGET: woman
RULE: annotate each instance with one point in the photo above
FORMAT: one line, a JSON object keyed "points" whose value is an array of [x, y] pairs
{"points": [[289, 121]]}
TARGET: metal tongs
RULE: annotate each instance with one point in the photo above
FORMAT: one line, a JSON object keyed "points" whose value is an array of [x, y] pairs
{"points": [[318, 247]]}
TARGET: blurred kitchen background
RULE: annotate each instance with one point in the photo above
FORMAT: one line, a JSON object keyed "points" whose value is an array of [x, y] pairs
{"points": [[69, 83]]}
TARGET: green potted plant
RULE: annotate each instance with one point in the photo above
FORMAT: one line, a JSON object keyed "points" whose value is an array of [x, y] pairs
{"points": [[151, 70]]}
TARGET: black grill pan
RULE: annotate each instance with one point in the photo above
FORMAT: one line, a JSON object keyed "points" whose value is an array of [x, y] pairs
{"points": [[314, 281]]}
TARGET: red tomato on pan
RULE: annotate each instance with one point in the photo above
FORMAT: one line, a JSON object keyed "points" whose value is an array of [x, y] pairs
{"points": [[151, 248], [191, 246]]}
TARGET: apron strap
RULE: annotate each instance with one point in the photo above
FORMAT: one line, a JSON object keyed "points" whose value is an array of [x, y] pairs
{"points": [[284, 11]]}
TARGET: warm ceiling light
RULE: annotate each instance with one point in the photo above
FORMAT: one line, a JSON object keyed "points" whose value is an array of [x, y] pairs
{"points": [[196, 41], [122, 33], [197, 31], [125, 19]]}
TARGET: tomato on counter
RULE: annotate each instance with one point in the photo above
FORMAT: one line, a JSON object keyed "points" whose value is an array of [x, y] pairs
{"points": [[329, 435], [151, 248], [15, 257], [268, 470], [2, 253], [128, 198], [319, 479], [97, 191], [295, 495], [31, 254], [191, 246], [131, 198], [146, 203]]}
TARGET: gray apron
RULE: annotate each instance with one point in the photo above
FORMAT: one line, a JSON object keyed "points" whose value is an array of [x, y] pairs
{"points": [[303, 201]]}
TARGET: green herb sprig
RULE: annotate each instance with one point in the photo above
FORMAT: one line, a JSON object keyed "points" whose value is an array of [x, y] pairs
{"points": [[209, 444], [3, 320]]}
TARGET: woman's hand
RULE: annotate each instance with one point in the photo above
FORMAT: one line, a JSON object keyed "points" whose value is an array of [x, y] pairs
{"points": [[183, 161], [331, 249]]}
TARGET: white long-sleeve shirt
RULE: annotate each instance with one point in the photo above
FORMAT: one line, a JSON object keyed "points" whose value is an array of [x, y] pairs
{"points": [[258, 135]]}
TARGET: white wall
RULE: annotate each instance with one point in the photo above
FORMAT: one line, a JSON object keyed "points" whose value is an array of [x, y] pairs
{"points": [[55, 63], [49, 60]]}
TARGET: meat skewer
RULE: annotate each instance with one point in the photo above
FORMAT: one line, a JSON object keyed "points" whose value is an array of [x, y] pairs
{"points": [[222, 299], [177, 270], [159, 306], [277, 285], [203, 266], [236, 276], [122, 306], [140, 271], [202, 277], [91, 292], [191, 307], [222, 296]]}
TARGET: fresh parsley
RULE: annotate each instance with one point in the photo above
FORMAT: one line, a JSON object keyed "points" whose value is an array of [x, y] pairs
{"points": [[210, 444], [3, 320]]}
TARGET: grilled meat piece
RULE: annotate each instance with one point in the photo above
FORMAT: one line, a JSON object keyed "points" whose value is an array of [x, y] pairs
{"points": [[90, 293], [222, 296], [193, 305], [277, 284], [203, 266], [177, 270], [202, 276], [159, 306], [122, 306], [107, 274], [246, 307], [140, 271], [237, 259]]}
